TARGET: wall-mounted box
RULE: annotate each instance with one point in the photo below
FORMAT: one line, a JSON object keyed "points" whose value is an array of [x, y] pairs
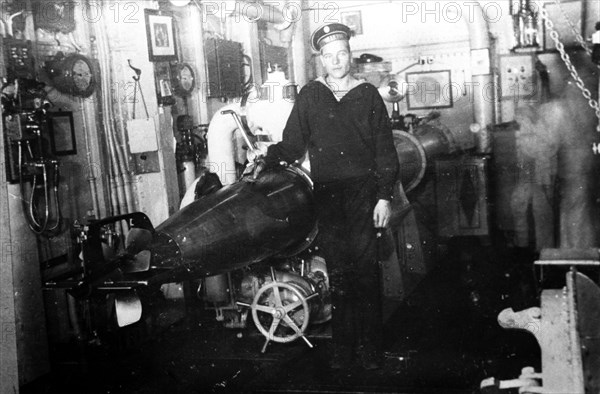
{"points": [[224, 64], [18, 55], [518, 77]]}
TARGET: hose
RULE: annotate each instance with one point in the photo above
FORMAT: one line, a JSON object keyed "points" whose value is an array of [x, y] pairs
{"points": [[39, 227], [33, 224], [56, 201]]}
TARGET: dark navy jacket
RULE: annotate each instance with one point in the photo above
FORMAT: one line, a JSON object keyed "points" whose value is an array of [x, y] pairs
{"points": [[346, 139]]}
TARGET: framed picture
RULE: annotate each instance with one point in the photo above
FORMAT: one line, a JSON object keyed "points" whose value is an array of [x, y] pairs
{"points": [[163, 78], [62, 133], [429, 89], [160, 33], [353, 20]]}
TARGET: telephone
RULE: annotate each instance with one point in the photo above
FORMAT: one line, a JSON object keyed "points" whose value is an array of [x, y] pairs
{"points": [[29, 161]]}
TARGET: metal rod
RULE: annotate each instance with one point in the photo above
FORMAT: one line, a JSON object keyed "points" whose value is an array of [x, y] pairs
{"points": [[310, 345], [243, 129], [593, 263], [313, 295], [264, 348]]}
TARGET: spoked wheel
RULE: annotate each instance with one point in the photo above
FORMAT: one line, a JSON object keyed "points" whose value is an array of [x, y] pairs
{"points": [[281, 312]]}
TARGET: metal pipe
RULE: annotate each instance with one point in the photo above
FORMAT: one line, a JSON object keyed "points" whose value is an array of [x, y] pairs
{"points": [[91, 177], [119, 137], [482, 107], [264, 12], [298, 49], [9, 22], [189, 173], [115, 151], [219, 139], [130, 200], [105, 78], [121, 180], [118, 172]]}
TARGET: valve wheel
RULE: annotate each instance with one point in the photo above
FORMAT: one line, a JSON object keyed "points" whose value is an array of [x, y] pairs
{"points": [[284, 312]]}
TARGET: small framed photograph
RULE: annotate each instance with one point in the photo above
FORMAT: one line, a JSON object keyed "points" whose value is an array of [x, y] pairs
{"points": [[429, 89], [62, 133], [163, 78], [353, 20], [160, 33]]}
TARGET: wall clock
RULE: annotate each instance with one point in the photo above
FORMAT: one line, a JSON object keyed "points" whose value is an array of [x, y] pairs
{"points": [[72, 74], [184, 79]]}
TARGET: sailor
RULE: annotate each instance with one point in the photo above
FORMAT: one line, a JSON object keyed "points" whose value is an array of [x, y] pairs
{"points": [[343, 123]]}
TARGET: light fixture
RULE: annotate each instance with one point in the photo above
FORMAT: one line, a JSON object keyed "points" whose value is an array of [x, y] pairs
{"points": [[525, 20]]}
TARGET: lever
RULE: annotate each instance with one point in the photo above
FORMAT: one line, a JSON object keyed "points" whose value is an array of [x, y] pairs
{"points": [[245, 132]]}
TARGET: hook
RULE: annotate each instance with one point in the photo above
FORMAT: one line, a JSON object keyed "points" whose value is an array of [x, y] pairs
{"points": [[138, 72], [57, 40]]}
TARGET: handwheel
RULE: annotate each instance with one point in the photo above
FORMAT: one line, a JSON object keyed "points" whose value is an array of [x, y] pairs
{"points": [[281, 312], [269, 301]]}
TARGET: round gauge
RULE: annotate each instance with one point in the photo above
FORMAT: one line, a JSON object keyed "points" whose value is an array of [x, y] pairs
{"points": [[82, 75], [185, 80], [73, 74]]}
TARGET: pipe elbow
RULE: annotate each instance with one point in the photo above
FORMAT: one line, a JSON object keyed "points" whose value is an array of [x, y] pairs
{"points": [[219, 141]]}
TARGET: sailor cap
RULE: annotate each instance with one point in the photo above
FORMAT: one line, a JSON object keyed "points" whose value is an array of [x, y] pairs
{"points": [[328, 33]]}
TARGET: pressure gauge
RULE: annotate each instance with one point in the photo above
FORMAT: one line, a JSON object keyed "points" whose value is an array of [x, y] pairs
{"points": [[184, 79], [72, 74]]}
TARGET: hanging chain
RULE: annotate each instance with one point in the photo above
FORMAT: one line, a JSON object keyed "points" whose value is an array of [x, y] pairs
{"points": [[576, 32], [567, 60]]}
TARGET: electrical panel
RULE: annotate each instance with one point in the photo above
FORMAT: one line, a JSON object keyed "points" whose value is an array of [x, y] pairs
{"points": [[26, 132], [224, 63], [19, 60], [518, 77]]}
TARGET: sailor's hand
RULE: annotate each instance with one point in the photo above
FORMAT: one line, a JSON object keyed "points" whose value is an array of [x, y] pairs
{"points": [[259, 165], [254, 168], [382, 214], [260, 150]]}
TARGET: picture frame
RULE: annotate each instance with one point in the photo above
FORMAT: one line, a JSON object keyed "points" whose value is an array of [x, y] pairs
{"points": [[353, 19], [160, 35], [429, 89], [62, 133], [163, 83]]}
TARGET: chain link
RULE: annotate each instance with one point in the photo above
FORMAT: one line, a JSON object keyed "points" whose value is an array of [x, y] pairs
{"points": [[567, 60]]}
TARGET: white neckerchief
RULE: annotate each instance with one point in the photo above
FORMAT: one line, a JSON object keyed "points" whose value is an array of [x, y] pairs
{"points": [[336, 92]]}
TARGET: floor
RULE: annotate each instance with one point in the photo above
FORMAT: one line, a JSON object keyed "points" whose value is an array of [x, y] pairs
{"points": [[443, 338]]}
